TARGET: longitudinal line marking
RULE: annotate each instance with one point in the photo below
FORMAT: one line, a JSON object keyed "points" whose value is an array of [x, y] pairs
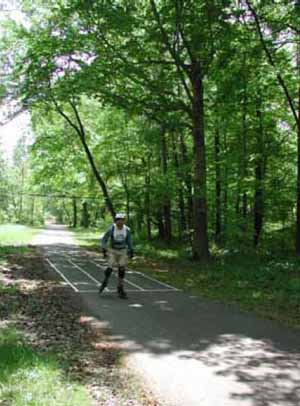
{"points": [[83, 271], [61, 274], [131, 291], [157, 281], [126, 280]]}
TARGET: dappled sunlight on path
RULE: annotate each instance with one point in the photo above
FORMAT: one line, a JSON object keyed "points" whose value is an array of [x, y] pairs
{"points": [[191, 352], [53, 235]]}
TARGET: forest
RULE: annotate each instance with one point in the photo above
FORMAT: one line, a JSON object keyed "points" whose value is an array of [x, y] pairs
{"points": [[183, 114]]}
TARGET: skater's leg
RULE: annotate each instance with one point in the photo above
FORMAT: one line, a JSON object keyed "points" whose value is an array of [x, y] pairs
{"points": [[121, 275], [107, 274]]}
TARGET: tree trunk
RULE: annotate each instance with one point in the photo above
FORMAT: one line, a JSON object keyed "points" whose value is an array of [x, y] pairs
{"points": [[225, 192], [20, 216], [85, 215], [200, 237], [292, 105], [108, 201], [32, 211], [147, 200], [188, 185], [127, 195], [74, 212], [298, 188], [238, 197], [218, 225], [245, 155], [259, 178], [297, 6], [66, 212], [166, 198], [242, 197], [80, 130], [181, 204]]}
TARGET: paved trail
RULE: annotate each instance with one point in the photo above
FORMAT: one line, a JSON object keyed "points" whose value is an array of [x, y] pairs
{"points": [[190, 351]]}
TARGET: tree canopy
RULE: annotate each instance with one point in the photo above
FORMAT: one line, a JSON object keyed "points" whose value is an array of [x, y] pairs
{"points": [[184, 114]]}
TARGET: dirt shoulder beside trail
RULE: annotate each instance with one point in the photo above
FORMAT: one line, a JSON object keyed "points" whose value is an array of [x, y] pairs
{"points": [[53, 320]]}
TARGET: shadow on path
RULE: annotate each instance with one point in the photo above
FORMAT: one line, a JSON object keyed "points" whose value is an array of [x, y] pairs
{"points": [[198, 352]]}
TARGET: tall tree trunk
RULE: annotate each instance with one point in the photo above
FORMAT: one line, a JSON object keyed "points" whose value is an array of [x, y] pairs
{"points": [[20, 216], [85, 215], [200, 237], [188, 183], [295, 110], [297, 6], [80, 130], [160, 225], [147, 200], [127, 196], [166, 198], [242, 197], [181, 204], [245, 154], [107, 199], [66, 212], [32, 211], [259, 179], [74, 201], [218, 225], [225, 191], [238, 197], [138, 224]]}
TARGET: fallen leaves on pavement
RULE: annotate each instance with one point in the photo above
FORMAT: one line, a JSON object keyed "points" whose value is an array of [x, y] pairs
{"points": [[54, 321]]}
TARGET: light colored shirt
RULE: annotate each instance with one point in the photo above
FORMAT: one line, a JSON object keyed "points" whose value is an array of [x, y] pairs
{"points": [[120, 238]]}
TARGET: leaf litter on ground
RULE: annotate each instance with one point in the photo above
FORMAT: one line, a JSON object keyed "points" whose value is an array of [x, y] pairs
{"points": [[53, 322]]}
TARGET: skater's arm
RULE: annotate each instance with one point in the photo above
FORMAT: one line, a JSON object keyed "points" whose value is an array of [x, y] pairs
{"points": [[105, 239], [129, 242]]}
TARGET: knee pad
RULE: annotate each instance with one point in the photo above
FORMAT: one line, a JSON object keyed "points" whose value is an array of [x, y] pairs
{"points": [[121, 272], [107, 272]]}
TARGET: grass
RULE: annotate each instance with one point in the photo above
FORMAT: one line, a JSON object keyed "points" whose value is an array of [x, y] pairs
{"points": [[16, 235], [68, 370], [266, 284], [28, 378], [88, 238], [14, 239], [10, 289]]}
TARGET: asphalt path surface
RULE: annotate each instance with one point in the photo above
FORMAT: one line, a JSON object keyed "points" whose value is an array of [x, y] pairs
{"points": [[191, 352]]}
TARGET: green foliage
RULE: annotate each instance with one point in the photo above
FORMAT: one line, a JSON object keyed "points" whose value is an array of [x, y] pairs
{"points": [[88, 238], [266, 284], [16, 235], [129, 71], [27, 378]]}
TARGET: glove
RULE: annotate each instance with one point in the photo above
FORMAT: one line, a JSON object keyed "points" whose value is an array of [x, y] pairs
{"points": [[130, 254], [104, 252]]}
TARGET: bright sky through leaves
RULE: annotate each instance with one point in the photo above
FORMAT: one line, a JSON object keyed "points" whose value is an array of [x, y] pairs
{"points": [[19, 126]]}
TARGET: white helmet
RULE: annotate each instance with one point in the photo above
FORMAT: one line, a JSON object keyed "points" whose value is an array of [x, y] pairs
{"points": [[120, 216]]}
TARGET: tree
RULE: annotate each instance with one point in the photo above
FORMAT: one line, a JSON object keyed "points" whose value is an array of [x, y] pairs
{"points": [[281, 26]]}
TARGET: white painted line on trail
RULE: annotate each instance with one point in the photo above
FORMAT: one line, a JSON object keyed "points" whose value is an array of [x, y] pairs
{"points": [[125, 280], [102, 267], [136, 286], [139, 288], [145, 276], [83, 271], [61, 274], [157, 281], [130, 291], [142, 274], [95, 263]]}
